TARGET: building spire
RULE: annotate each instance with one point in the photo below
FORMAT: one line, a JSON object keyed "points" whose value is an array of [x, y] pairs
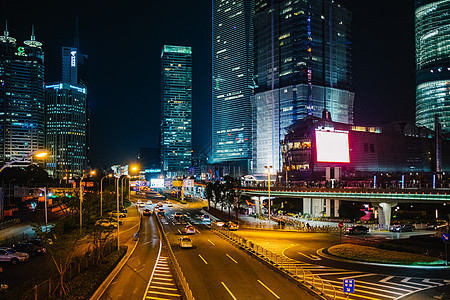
{"points": [[33, 38], [76, 38], [6, 33], [5, 38], [32, 41]]}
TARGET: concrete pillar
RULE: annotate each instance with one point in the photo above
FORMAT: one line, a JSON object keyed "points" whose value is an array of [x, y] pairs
{"points": [[307, 206], [336, 207], [384, 214], [328, 207]]}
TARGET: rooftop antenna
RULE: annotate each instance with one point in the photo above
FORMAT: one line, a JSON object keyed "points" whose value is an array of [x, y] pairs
{"points": [[76, 38], [6, 33], [33, 38]]}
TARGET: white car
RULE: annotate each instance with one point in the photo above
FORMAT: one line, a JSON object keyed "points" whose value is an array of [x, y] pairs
{"points": [[149, 202], [142, 204], [186, 242], [206, 219], [169, 204], [12, 256]]}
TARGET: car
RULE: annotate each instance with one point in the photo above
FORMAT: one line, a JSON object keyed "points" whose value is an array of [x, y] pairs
{"points": [[29, 248], [39, 242], [142, 204], [113, 214], [149, 202], [161, 212], [402, 227], [436, 225], [357, 229], [218, 223], [169, 204], [160, 204], [107, 223], [186, 242], [12, 256], [178, 215], [139, 202], [206, 219], [231, 226], [189, 229], [147, 212], [123, 210]]}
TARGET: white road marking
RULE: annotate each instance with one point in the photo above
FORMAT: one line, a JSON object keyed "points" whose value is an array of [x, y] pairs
{"points": [[356, 276], [268, 289]]}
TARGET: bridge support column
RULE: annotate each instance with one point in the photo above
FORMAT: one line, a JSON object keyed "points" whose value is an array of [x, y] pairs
{"points": [[384, 214], [258, 205]]}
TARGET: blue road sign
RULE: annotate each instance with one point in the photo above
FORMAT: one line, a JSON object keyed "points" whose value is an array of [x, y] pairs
{"points": [[445, 237], [349, 285]]}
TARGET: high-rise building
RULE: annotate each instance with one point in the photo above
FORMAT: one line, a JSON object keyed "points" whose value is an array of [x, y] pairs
{"points": [[232, 56], [302, 67], [66, 117], [432, 24], [74, 66], [21, 99], [176, 109]]}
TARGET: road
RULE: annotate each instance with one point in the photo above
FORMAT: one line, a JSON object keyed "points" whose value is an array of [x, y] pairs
{"points": [[215, 269], [371, 281]]}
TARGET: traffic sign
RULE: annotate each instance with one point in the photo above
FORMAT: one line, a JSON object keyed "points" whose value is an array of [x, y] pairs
{"points": [[445, 237], [349, 285], [341, 224]]}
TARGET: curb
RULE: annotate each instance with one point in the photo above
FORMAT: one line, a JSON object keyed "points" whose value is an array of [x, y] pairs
{"points": [[105, 284], [321, 253]]}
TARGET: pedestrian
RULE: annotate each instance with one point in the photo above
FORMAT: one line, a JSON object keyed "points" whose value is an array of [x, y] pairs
{"points": [[307, 226]]}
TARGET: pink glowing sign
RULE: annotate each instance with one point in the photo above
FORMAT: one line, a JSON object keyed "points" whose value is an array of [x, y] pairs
{"points": [[332, 147]]}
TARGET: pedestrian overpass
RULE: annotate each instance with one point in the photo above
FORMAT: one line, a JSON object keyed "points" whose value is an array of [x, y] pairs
{"points": [[317, 200]]}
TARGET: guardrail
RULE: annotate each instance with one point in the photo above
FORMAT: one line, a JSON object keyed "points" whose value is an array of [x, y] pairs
{"points": [[9, 223], [286, 265], [173, 261]]}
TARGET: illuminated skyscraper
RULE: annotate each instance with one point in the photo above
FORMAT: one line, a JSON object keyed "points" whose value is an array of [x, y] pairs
{"points": [[176, 109], [302, 67], [432, 22], [66, 122], [232, 55], [21, 99]]}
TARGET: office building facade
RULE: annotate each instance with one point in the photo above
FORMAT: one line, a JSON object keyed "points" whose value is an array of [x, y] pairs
{"points": [[432, 26], [302, 67], [21, 99], [176, 109], [232, 57], [66, 122]]}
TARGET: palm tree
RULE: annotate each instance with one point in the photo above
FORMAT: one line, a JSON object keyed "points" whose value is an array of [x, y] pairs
{"points": [[218, 189], [209, 192]]}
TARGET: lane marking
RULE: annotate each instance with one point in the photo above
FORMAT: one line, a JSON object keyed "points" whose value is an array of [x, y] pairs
{"points": [[386, 279], [231, 258], [203, 259], [179, 231], [228, 291], [268, 289], [355, 276], [367, 292], [154, 268], [211, 242], [336, 273], [311, 256], [406, 280], [428, 280], [197, 230], [167, 294]]}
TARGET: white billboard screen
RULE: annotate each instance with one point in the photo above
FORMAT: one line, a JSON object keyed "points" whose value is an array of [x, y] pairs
{"points": [[332, 147], [157, 183]]}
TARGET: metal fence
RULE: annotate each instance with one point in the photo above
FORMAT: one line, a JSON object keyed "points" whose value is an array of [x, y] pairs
{"points": [[174, 263], [9, 223], [286, 265]]}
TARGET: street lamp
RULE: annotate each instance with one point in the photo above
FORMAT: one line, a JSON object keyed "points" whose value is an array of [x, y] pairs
{"points": [[38, 153], [101, 194], [117, 193], [81, 198], [268, 170]]}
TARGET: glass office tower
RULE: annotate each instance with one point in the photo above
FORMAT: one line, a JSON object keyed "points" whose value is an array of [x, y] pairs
{"points": [[302, 67], [432, 23], [66, 122], [232, 56], [21, 99], [176, 109]]}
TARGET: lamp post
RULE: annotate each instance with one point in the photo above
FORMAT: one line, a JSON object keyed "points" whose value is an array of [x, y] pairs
{"points": [[268, 170], [123, 190], [81, 199], [101, 194], [38, 153], [118, 245]]}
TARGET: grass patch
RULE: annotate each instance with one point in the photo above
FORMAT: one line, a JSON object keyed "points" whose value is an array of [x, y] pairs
{"points": [[371, 254]]}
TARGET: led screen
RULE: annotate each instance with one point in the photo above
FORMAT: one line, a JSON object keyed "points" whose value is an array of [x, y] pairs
{"points": [[157, 183], [332, 147]]}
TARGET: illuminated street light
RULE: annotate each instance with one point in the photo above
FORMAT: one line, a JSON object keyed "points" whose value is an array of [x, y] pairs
{"points": [[38, 153]]}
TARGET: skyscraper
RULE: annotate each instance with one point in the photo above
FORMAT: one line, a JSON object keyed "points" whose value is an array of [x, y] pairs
{"points": [[176, 109], [302, 67], [21, 99], [232, 55], [432, 23], [66, 129]]}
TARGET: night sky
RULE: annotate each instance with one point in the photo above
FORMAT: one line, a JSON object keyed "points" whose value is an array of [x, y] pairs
{"points": [[124, 45]]}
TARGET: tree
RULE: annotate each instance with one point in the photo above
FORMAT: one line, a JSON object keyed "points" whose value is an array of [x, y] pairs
{"points": [[218, 189], [209, 192]]}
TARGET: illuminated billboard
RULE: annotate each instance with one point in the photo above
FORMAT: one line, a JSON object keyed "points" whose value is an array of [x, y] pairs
{"points": [[157, 183], [332, 146]]}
